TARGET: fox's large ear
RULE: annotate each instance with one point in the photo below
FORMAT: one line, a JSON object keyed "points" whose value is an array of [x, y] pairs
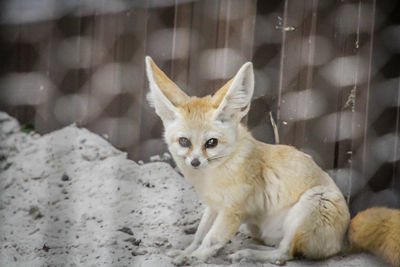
{"points": [[233, 99], [164, 94]]}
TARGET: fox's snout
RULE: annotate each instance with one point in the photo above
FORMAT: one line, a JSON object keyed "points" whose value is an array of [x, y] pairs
{"points": [[196, 162]]}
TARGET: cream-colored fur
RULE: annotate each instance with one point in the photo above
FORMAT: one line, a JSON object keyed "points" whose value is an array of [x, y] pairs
{"points": [[283, 197]]}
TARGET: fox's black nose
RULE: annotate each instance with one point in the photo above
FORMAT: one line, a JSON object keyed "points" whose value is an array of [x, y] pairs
{"points": [[195, 162]]}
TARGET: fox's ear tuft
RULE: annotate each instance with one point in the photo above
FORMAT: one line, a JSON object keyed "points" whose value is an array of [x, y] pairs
{"points": [[164, 94], [233, 99]]}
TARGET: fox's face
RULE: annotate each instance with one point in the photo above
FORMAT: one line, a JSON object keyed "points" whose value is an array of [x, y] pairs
{"points": [[197, 140], [200, 132]]}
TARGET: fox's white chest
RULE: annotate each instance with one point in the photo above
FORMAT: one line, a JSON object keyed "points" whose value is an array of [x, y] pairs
{"points": [[204, 186], [216, 190]]}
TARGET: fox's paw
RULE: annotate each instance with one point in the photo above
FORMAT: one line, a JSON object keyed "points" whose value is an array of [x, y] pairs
{"points": [[239, 255], [278, 262], [249, 255], [174, 253], [186, 260]]}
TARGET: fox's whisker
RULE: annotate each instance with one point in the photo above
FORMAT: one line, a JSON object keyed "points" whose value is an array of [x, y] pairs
{"points": [[217, 157]]}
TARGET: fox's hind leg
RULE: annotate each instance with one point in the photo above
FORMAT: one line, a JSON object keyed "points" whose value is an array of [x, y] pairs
{"points": [[314, 227], [280, 255]]}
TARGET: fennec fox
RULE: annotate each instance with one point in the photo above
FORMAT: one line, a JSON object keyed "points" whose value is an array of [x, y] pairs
{"points": [[278, 192]]}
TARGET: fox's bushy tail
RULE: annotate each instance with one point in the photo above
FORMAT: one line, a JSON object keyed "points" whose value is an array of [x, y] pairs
{"points": [[377, 230]]}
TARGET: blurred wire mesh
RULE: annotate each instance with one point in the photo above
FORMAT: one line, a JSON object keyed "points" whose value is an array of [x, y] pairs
{"points": [[327, 70]]}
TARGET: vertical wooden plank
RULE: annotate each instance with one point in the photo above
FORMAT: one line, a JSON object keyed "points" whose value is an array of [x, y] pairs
{"points": [[139, 18], [305, 79], [283, 58], [266, 61], [236, 32], [182, 36], [396, 165], [93, 29], [291, 64], [248, 29], [24, 60], [207, 29], [363, 163], [44, 118], [353, 99], [63, 79], [224, 24]]}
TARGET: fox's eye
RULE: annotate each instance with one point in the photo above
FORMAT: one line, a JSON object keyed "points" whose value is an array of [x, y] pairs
{"points": [[184, 142], [213, 142]]}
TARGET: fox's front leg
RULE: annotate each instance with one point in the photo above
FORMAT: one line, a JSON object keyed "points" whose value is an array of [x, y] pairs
{"points": [[225, 226], [205, 224]]}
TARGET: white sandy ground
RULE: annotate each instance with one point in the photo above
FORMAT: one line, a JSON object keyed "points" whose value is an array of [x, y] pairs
{"points": [[69, 198]]}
